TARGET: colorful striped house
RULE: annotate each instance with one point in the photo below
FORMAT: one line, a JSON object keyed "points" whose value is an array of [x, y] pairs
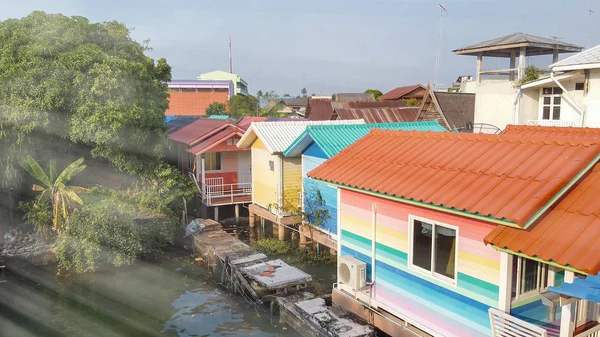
{"points": [[418, 209], [321, 142], [277, 180]]}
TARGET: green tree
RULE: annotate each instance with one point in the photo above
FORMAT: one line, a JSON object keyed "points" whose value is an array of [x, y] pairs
{"points": [[66, 79], [303, 92], [375, 93], [54, 187], [532, 73], [243, 106], [412, 102], [216, 108], [268, 96]]}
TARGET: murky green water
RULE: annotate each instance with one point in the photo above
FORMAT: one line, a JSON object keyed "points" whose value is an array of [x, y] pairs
{"points": [[167, 298]]}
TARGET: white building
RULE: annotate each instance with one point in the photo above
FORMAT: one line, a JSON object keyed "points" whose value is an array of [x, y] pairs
{"points": [[498, 100], [570, 96]]}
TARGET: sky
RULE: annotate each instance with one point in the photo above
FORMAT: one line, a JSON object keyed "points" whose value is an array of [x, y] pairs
{"points": [[329, 46]]}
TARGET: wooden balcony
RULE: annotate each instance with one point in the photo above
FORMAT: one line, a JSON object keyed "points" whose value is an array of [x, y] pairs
{"points": [[216, 193]]}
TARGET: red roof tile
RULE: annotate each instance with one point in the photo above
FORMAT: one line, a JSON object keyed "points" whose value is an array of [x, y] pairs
{"points": [[551, 131], [194, 103], [215, 139], [499, 176], [196, 130], [567, 234], [403, 92], [379, 115]]}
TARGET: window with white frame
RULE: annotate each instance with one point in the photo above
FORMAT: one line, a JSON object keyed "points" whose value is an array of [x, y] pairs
{"points": [[551, 99], [433, 248], [529, 277]]}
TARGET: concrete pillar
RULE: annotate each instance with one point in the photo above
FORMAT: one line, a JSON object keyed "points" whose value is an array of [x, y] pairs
{"points": [[216, 213], [506, 261], [513, 64], [281, 232], [568, 313], [237, 211], [555, 56], [479, 66], [302, 238], [522, 62], [251, 220]]}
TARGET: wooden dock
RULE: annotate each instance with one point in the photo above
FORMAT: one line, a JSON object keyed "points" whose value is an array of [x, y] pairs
{"points": [[242, 269]]}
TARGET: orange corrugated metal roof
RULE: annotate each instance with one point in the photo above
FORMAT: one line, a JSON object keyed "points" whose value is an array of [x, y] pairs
{"points": [[499, 176], [568, 234]]}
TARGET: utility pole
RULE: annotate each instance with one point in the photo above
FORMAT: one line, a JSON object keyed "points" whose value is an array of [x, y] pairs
{"points": [[230, 57], [589, 30], [439, 47]]}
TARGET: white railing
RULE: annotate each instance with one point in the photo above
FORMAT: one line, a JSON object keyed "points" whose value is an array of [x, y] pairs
{"points": [[224, 194], [505, 325], [593, 332], [547, 122]]}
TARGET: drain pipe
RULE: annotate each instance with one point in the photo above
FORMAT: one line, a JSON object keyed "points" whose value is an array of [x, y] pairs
{"points": [[566, 93], [517, 99]]}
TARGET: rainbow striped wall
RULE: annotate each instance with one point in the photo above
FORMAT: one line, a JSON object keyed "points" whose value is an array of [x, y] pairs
{"points": [[446, 309], [312, 157]]}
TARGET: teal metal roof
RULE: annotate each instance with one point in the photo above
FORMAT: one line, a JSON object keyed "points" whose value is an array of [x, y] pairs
{"points": [[334, 138], [221, 117]]}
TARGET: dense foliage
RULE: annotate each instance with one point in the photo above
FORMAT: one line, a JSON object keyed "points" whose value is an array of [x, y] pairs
{"points": [[375, 93], [216, 108], [65, 78], [243, 106]]}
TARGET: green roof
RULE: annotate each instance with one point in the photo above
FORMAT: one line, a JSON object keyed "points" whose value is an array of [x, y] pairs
{"points": [[220, 117], [334, 138]]}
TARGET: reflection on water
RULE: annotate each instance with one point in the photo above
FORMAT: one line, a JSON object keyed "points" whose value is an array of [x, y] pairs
{"points": [[168, 298]]}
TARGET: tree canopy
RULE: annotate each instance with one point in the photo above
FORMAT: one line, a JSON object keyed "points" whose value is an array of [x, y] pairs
{"points": [[216, 108], [86, 83], [376, 93], [243, 106]]}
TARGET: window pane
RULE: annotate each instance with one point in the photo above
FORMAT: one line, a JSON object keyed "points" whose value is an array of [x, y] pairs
{"points": [[218, 161], [556, 113], [529, 275], [445, 251], [547, 91], [557, 91], [557, 100], [547, 100], [513, 288], [422, 238], [546, 114], [210, 161]]}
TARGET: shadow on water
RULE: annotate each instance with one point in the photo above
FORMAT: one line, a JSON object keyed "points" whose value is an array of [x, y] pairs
{"points": [[168, 297]]}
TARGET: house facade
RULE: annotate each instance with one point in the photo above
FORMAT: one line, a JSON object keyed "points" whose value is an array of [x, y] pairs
{"points": [[207, 153], [420, 223], [317, 144], [192, 97], [569, 97], [276, 179]]}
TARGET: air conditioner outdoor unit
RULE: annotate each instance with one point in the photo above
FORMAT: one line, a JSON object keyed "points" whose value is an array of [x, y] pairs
{"points": [[352, 272]]}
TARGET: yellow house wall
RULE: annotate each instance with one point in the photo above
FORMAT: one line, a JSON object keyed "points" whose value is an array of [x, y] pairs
{"points": [[264, 181], [292, 181]]}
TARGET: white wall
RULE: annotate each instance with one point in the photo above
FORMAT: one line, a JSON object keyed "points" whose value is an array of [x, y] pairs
{"points": [[529, 105], [494, 102], [592, 100]]}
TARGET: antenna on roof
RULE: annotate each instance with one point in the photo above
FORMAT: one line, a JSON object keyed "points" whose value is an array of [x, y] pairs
{"points": [[591, 12], [230, 57], [437, 59], [556, 37]]}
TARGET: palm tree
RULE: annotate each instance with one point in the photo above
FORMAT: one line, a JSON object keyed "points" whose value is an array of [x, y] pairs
{"points": [[55, 187]]}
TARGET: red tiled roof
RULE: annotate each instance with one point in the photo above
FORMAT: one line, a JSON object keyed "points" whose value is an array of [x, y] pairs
{"points": [[215, 139], [194, 103], [401, 92], [196, 130], [551, 131], [379, 115], [499, 176], [568, 234]]}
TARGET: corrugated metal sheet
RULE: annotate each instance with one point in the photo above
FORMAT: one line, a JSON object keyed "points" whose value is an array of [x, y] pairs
{"points": [[499, 176], [567, 235], [585, 289], [588, 56], [379, 115], [196, 130], [277, 136], [401, 92], [215, 139], [334, 138]]}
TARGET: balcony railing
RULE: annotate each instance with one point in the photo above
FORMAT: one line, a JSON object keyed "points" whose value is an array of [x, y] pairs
{"points": [[505, 325], [214, 192], [547, 122], [593, 332]]}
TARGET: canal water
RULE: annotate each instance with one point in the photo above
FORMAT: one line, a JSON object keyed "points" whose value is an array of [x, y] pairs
{"points": [[169, 297]]}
